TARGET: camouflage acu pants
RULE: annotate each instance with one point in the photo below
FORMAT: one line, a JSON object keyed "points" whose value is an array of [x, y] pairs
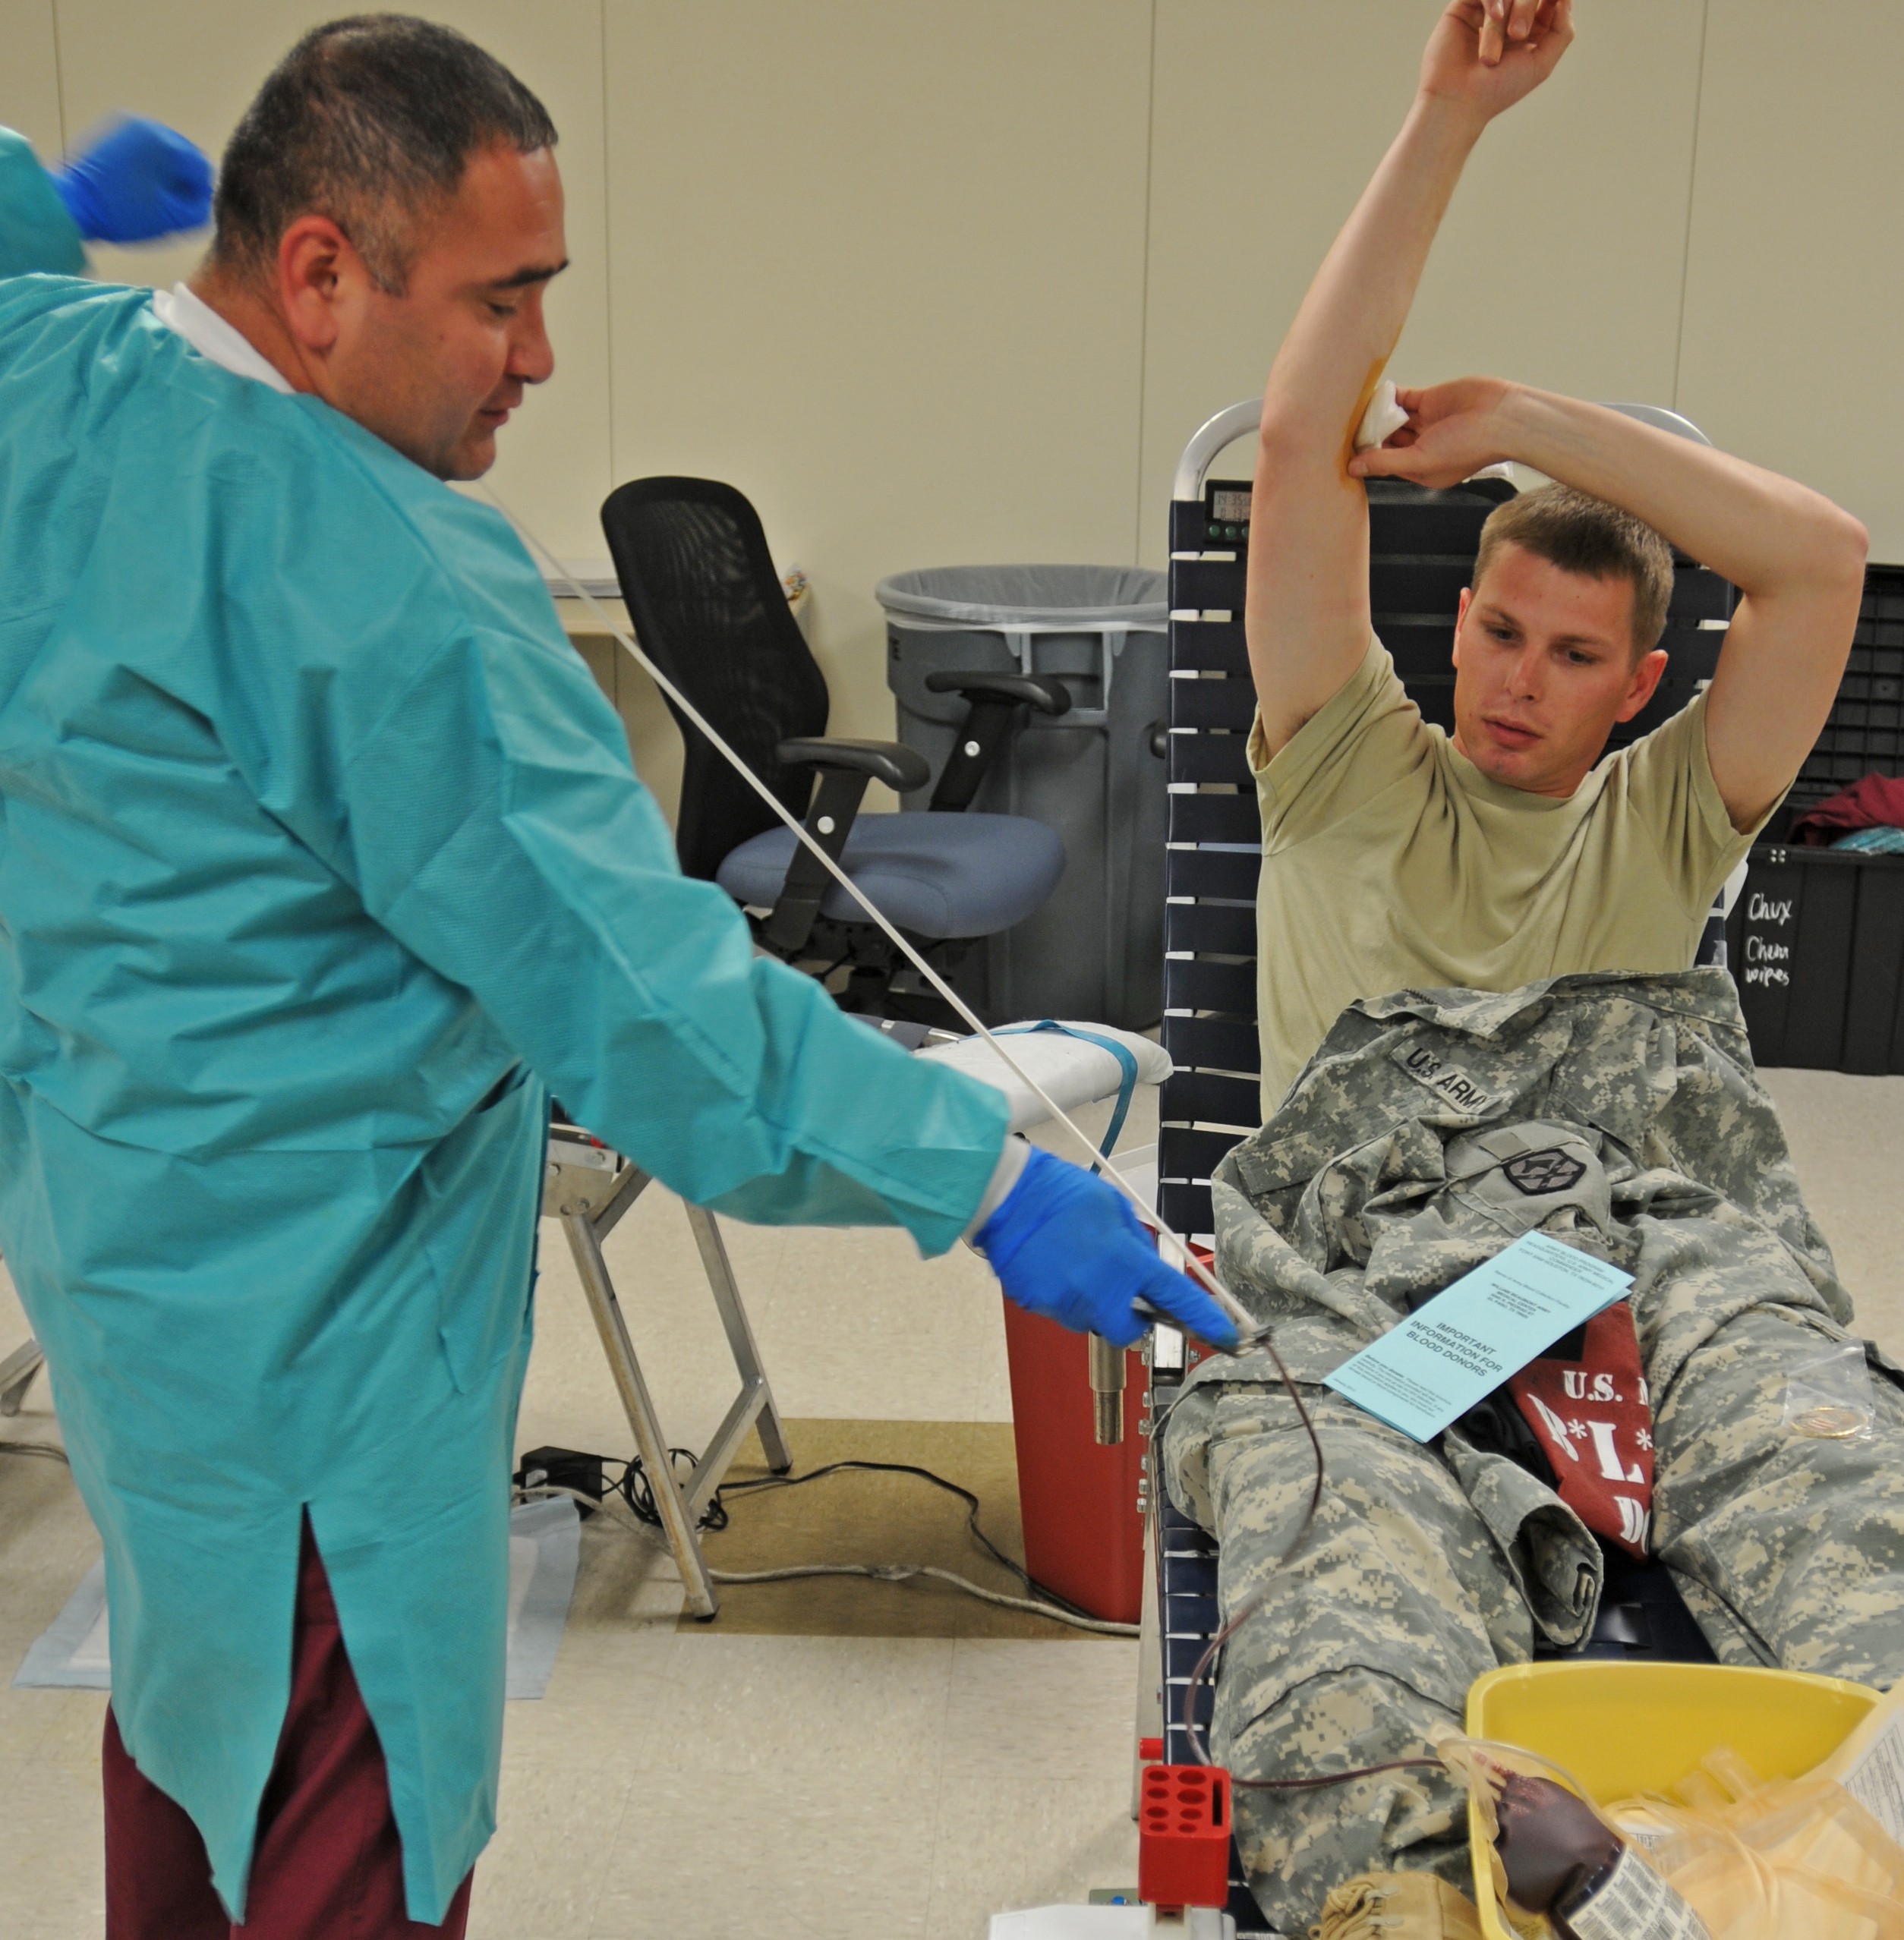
{"points": [[1789, 1550]]}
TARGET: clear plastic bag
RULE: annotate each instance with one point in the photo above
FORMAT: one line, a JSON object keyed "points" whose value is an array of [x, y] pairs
{"points": [[1829, 1396], [1784, 1859], [1728, 1857]]}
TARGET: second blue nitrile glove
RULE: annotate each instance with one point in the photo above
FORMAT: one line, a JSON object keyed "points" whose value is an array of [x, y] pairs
{"points": [[137, 181], [1065, 1244]]}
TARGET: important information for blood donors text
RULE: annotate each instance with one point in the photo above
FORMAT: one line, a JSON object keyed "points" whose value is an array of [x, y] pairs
{"points": [[1432, 1367]]}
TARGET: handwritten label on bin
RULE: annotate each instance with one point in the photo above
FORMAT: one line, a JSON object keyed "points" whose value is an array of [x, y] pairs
{"points": [[1770, 930]]}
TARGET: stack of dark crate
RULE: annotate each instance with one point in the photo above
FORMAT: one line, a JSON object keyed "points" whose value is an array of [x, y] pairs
{"points": [[1816, 939]]}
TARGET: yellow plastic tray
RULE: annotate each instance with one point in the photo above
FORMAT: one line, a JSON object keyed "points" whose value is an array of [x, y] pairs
{"points": [[1622, 1728]]}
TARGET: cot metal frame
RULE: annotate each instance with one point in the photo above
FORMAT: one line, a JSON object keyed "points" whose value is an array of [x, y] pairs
{"points": [[587, 1188]]}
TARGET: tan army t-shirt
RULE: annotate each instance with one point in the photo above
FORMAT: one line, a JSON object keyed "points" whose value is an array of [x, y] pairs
{"points": [[1390, 861]]}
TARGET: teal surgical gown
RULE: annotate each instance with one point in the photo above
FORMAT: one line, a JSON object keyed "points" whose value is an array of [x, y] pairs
{"points": [[35, 230], [322, 863]]}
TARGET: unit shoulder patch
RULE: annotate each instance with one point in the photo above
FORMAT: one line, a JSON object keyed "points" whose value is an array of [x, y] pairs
{"points": [[1550, 1170]]}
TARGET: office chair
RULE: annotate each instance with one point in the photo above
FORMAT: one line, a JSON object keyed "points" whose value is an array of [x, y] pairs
{"points": [[707, 603]]}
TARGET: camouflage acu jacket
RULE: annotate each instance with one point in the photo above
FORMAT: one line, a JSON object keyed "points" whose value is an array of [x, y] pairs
{"points": [[1433, 1127]]}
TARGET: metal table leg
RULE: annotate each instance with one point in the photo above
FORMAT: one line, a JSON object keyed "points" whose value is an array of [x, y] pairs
{"points": [[17, 1373], [754, 1406], [589, 1190], [651, 1444]]}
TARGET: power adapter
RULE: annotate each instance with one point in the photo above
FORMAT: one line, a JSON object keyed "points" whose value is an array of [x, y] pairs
{"points": [[565, 1468]]}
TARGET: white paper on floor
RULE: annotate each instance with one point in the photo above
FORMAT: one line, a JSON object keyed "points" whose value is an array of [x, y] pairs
{"points": [[545, 1546]]}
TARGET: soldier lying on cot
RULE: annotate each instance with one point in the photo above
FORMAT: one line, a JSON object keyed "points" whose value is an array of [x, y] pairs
{"points": [[1397, 858]]}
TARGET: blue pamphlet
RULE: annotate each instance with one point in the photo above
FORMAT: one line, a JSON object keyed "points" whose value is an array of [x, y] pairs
{"points": [[1462, 1344]]}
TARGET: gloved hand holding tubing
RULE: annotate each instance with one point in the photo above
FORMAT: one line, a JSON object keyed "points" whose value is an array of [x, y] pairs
{"points": [[1066, 1244], [135, 181]]}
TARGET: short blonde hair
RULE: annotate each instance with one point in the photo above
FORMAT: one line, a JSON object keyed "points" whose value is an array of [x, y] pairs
{"points": [[1579, 533]]}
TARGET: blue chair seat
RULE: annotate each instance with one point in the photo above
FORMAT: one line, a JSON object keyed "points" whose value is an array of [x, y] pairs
{"points": [[941, 875]]}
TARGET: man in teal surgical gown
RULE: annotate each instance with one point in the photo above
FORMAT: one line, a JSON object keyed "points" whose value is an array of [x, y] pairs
{"points": [[322, 864]]}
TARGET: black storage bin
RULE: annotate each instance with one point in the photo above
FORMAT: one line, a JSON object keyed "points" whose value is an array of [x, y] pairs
{"points": [[1816, 944], [1816, 940]]}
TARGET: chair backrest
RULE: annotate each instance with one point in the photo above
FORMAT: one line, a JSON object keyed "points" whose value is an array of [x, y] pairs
{"points": [[1422, 548], [708, 605]]}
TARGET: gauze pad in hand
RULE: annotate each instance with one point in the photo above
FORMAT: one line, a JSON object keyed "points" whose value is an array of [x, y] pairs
{"points": [[1382, 419]]}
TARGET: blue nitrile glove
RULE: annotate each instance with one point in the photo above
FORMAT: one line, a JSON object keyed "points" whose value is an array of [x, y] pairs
{"points": [[1065, 1244], [137, 181]]}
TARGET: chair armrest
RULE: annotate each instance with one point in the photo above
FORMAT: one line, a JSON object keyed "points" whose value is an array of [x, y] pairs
{"points": [[995, 700], [899, 767], [845, 766], [1039, 691]]}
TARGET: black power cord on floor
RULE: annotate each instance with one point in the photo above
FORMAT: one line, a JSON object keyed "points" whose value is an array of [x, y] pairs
{"points": [[638, 1491], [965, 1495], [585, 1478]]}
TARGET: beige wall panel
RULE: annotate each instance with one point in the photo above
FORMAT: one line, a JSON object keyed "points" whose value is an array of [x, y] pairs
{"points": [[654, 741], [878, 263], [1559, 263], [29, 75], [1796, 285], [196, 65]]}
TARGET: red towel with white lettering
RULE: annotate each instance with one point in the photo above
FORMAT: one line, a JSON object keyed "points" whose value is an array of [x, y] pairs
{"points": [[1594, 1419]]}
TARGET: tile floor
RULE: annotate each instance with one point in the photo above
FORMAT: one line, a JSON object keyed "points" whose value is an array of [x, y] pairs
{"points": [[678, 1782]]}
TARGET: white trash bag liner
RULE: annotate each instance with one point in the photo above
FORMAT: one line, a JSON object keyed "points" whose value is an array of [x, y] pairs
{"points": [[1046, 597]]}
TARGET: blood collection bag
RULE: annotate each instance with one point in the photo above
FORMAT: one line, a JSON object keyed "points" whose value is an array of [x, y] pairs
{"points": [[1763, 1859], [1727, 1855], [1560, 1868]]}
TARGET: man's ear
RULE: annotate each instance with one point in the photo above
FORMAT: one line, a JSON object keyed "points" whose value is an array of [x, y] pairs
{"points": [[1646, 675], [318, 271], [1460, 620]]}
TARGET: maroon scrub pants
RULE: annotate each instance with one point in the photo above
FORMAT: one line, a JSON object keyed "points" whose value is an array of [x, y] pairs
{"points": [[328, 1865]]}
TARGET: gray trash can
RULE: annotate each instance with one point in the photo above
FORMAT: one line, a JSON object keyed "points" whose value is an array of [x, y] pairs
{"points": [[1096, 949]]}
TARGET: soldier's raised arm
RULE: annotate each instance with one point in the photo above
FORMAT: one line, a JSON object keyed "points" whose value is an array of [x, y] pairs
{"points": [[1307, 611]]}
